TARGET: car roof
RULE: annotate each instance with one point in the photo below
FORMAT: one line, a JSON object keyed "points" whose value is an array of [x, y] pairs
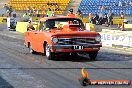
{"points": [[55, 17]]}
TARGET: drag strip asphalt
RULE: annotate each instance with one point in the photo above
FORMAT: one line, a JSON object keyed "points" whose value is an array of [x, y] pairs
{"points": [[24, 70]]}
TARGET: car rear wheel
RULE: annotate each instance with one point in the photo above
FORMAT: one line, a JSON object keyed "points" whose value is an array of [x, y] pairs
{"points": [[30, 49], [50, 55], [93, 55], [65, 55]]}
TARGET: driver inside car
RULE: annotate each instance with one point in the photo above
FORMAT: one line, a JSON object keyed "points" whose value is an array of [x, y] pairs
{"points": [[45, 27], [49, 25]]}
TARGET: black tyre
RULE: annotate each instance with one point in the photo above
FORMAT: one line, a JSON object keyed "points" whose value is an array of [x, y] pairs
{"points": [[65, 55], [93, 55], [13, 27], [74, 54], [30, 49], [44, 54], [50, 55]]}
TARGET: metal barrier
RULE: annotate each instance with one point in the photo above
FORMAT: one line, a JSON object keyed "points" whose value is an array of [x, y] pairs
{"points": [[3, 19]]}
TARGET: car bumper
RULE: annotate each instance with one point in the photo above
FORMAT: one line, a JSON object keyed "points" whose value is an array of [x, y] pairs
{"points": [[69, 48]]}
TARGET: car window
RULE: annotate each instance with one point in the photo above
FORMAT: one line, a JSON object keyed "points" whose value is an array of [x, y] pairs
{"points": [[60, 22], [50, 24], [41, 27], [44, 26]]}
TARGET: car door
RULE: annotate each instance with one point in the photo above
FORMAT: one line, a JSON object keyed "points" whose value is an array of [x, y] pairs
{"points": [[39, 39]]}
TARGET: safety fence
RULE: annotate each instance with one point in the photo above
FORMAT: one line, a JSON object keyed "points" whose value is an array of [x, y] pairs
{"points": [[117, 39]]}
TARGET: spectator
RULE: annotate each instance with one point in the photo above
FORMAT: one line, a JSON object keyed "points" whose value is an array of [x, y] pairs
{"points": [[100, 15], [29, 11], [14, 14], [115, 3], [51, 3], [130, 3], [10, 10], [43, 15], [37, 13], [56, 7], [103, 8], [34, 11], [42, 10], [100, 21], [55, 4], [110, 17], [6, 7], [71, 14], [90, 17], [30, 18], [122, 15], [120, 4], [79, 14], [105, 18], [25, 17], [48, 3], [96, 19], [50, 13], [127, 3], [30, 26]]}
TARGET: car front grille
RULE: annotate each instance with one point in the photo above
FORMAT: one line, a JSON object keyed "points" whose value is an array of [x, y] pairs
{"points": [[78, 41]]}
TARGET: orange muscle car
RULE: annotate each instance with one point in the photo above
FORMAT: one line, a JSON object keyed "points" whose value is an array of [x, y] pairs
{"points": [[62, 35]]}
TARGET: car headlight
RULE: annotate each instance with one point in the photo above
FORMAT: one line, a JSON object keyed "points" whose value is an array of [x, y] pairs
{"points": [[98, 38], [54, 40]]}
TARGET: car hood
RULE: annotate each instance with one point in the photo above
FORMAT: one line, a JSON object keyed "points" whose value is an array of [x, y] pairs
{"points": [[73, 34]]}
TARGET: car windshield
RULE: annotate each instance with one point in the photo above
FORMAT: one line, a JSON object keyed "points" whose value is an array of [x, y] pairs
{"points": [[60, 22]]}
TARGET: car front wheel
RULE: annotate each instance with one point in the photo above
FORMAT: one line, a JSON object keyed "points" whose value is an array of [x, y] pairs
{"points": [[50, 55], [93, 55], [30, 49]]}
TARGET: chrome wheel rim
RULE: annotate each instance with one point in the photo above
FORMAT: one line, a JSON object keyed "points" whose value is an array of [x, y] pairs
{"points": [[47, 51], [30, 49]]}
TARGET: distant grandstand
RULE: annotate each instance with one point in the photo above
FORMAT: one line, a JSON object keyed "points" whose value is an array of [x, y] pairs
{"points": [[93, 6], [22, 5], [86, 6]]}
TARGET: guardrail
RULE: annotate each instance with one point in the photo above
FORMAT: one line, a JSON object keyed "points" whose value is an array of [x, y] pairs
{"points": [[116, 21]]}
